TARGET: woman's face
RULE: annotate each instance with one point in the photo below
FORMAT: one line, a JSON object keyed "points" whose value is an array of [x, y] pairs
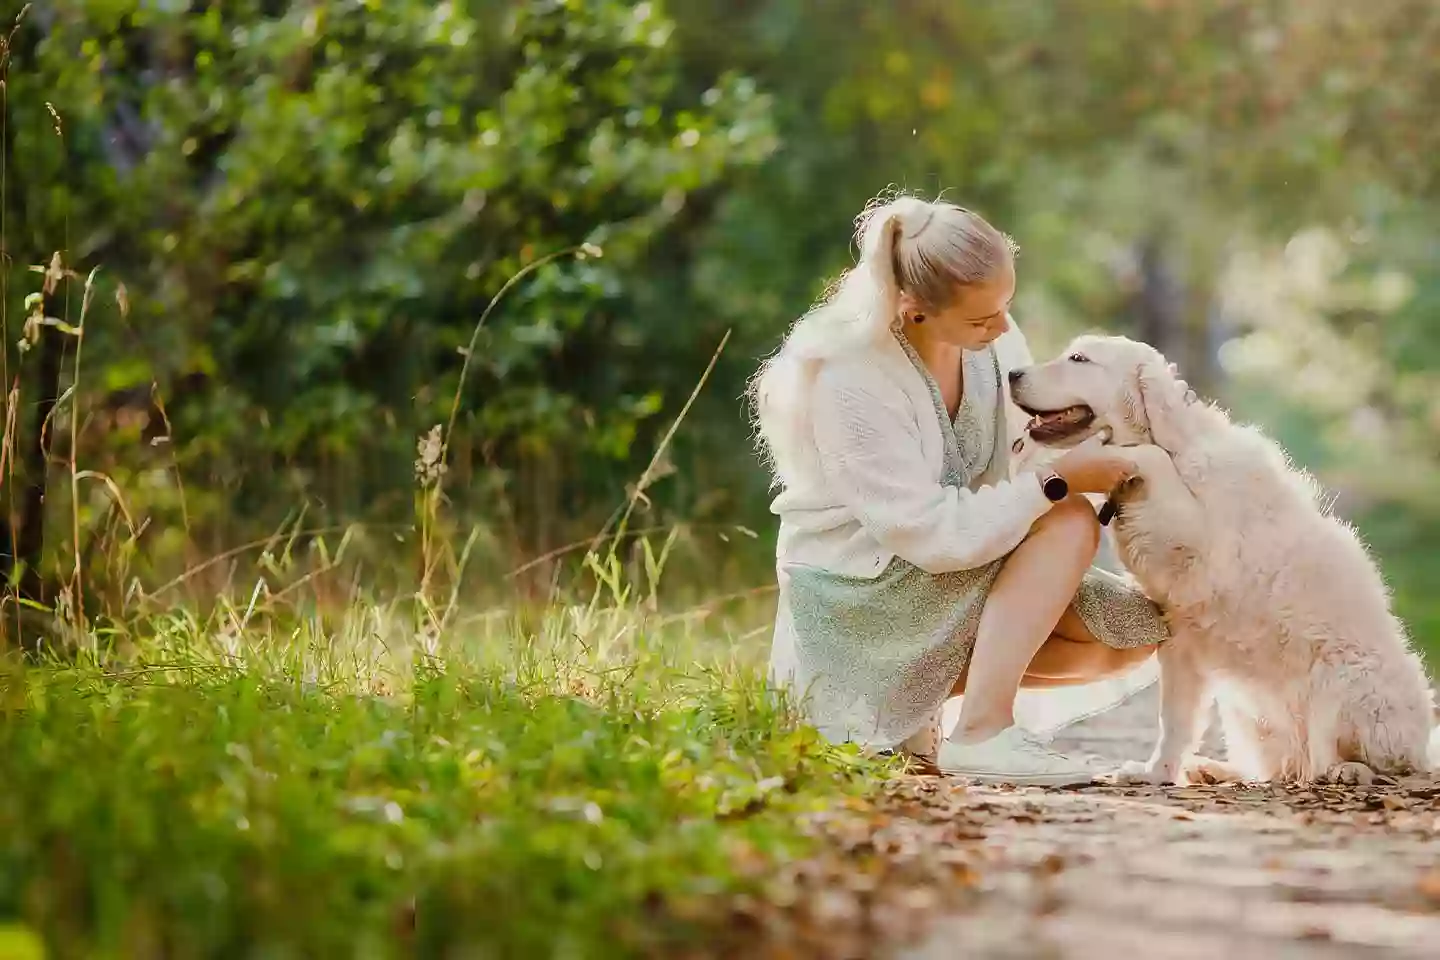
{"points": [[975, 317]]}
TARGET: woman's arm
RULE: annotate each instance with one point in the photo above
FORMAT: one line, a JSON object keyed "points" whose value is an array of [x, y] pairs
{"points": [[870, 448]]}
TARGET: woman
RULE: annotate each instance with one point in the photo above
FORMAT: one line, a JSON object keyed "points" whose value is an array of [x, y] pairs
{"points": [[914, 563]]}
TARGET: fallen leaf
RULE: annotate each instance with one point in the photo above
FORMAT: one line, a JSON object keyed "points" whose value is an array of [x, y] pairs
{"points": [[1050, 865]]}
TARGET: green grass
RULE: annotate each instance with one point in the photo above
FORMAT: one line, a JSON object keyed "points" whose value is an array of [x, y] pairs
{"points": [[577, 783]]}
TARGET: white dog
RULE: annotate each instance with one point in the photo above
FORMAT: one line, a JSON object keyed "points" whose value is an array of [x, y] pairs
{"points": [[1276, 610]]}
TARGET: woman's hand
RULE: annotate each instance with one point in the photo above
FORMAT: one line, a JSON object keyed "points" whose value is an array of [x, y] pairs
{"points": [[1093, 467]]}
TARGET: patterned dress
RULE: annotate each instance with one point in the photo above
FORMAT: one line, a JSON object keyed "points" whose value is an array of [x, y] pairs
{"points": [[877, 658]]}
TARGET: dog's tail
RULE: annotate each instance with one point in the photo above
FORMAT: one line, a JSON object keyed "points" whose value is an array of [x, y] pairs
{"points": [[1433, 747]]}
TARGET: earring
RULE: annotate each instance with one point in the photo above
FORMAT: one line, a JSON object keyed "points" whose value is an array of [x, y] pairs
{"points": [[919, 318]]}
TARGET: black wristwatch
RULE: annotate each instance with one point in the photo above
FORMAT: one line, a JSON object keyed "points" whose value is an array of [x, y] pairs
{"points": [[1055, 487]]}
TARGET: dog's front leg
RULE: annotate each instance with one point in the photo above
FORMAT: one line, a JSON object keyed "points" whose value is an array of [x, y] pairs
{"points": [[1170, 507], [1183, 699]]}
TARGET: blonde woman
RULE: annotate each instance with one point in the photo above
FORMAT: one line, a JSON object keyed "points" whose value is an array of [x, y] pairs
{"points": [[915, 563]]}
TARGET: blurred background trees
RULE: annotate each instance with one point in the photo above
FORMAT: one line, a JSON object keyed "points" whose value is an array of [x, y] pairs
{"points": [[308, 204]]}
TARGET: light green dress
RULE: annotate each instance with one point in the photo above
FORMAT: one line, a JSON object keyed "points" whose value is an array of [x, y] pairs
{"points": [[877, 658]]}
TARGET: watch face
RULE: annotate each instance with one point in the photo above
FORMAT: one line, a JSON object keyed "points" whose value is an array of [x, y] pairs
{"points": [[1056, 487]]}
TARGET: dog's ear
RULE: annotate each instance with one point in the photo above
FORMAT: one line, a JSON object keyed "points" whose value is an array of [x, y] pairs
{"points": [[1161, 399]]}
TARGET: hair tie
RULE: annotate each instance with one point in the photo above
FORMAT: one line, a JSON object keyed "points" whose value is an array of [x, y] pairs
{"points": [[929, 215]]}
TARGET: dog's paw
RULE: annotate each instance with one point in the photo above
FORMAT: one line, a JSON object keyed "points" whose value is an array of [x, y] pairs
{"points": [[1351, 774], [1203, 770], [1146, 458], [1139, 771]]}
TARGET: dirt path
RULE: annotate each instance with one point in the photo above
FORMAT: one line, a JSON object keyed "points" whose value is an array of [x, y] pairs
{"points": [[1165, 874], [1198, 872]]}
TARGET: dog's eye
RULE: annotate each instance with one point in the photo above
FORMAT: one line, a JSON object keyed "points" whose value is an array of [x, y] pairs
{"points": [[1078, 358]]}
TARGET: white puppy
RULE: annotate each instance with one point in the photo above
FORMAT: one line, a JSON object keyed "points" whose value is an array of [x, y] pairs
{"points": [[1277, 612]]}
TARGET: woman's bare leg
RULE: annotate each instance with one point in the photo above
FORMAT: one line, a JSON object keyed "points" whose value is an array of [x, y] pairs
{"points": [[1031, 593], [1073, 655]]}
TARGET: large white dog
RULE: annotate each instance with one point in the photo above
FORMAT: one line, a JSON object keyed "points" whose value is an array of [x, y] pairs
{"points": [[1277, 611]]}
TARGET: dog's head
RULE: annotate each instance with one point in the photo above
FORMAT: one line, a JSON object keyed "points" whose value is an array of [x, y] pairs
{"points": [[1099, 384]]}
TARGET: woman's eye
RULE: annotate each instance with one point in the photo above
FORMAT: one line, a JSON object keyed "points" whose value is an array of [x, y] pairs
{"points": [[1078, 358]]}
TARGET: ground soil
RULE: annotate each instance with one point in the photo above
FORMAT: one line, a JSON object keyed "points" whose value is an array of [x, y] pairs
{"points": [[936, 869]]}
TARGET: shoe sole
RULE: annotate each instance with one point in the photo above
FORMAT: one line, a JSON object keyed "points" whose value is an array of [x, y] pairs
{"points": [[1028, 780]]}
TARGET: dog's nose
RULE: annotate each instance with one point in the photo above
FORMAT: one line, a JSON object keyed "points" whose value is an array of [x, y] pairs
{"points": [[1014, 376]]}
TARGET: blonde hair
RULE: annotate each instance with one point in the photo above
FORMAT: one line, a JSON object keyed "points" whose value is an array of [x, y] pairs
{"points": [[907, 245]]}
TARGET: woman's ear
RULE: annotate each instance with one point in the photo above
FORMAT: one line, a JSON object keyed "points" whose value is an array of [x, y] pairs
{"points": [[909, 306]]}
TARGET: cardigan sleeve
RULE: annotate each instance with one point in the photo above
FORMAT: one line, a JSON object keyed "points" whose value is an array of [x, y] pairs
{"points": [[870, 449]]}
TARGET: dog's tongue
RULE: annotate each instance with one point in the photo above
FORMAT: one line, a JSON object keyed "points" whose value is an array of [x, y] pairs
{"points": [[1055, 417]]}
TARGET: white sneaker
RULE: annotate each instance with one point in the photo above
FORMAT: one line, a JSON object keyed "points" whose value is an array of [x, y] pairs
{"points": [[1013, 756], [926, 740]]}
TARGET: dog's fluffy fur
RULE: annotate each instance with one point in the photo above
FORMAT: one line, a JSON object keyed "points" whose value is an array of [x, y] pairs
{"points": [[1276, 610]]}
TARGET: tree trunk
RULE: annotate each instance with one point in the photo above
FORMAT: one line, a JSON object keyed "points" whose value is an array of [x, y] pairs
{"points": [[1161, 312]]}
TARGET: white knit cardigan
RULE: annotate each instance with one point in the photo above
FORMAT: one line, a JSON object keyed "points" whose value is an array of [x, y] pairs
{"points": [[878, 495]]}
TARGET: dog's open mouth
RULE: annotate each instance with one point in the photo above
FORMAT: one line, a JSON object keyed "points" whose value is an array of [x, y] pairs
{"points": [[1054, 425]]}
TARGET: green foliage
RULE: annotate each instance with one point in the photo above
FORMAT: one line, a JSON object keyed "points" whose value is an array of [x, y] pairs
{"points": [[323, 199], [289, 790], [310, 205]]}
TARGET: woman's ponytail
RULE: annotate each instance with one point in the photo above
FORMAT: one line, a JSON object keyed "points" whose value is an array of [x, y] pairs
{"points": [[882, 231], [855, 315]]}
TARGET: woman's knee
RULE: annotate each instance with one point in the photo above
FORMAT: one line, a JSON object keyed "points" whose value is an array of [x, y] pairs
{"points": [[1073, 520], [1106, 662], [1125, 659], [1063, 660]]}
